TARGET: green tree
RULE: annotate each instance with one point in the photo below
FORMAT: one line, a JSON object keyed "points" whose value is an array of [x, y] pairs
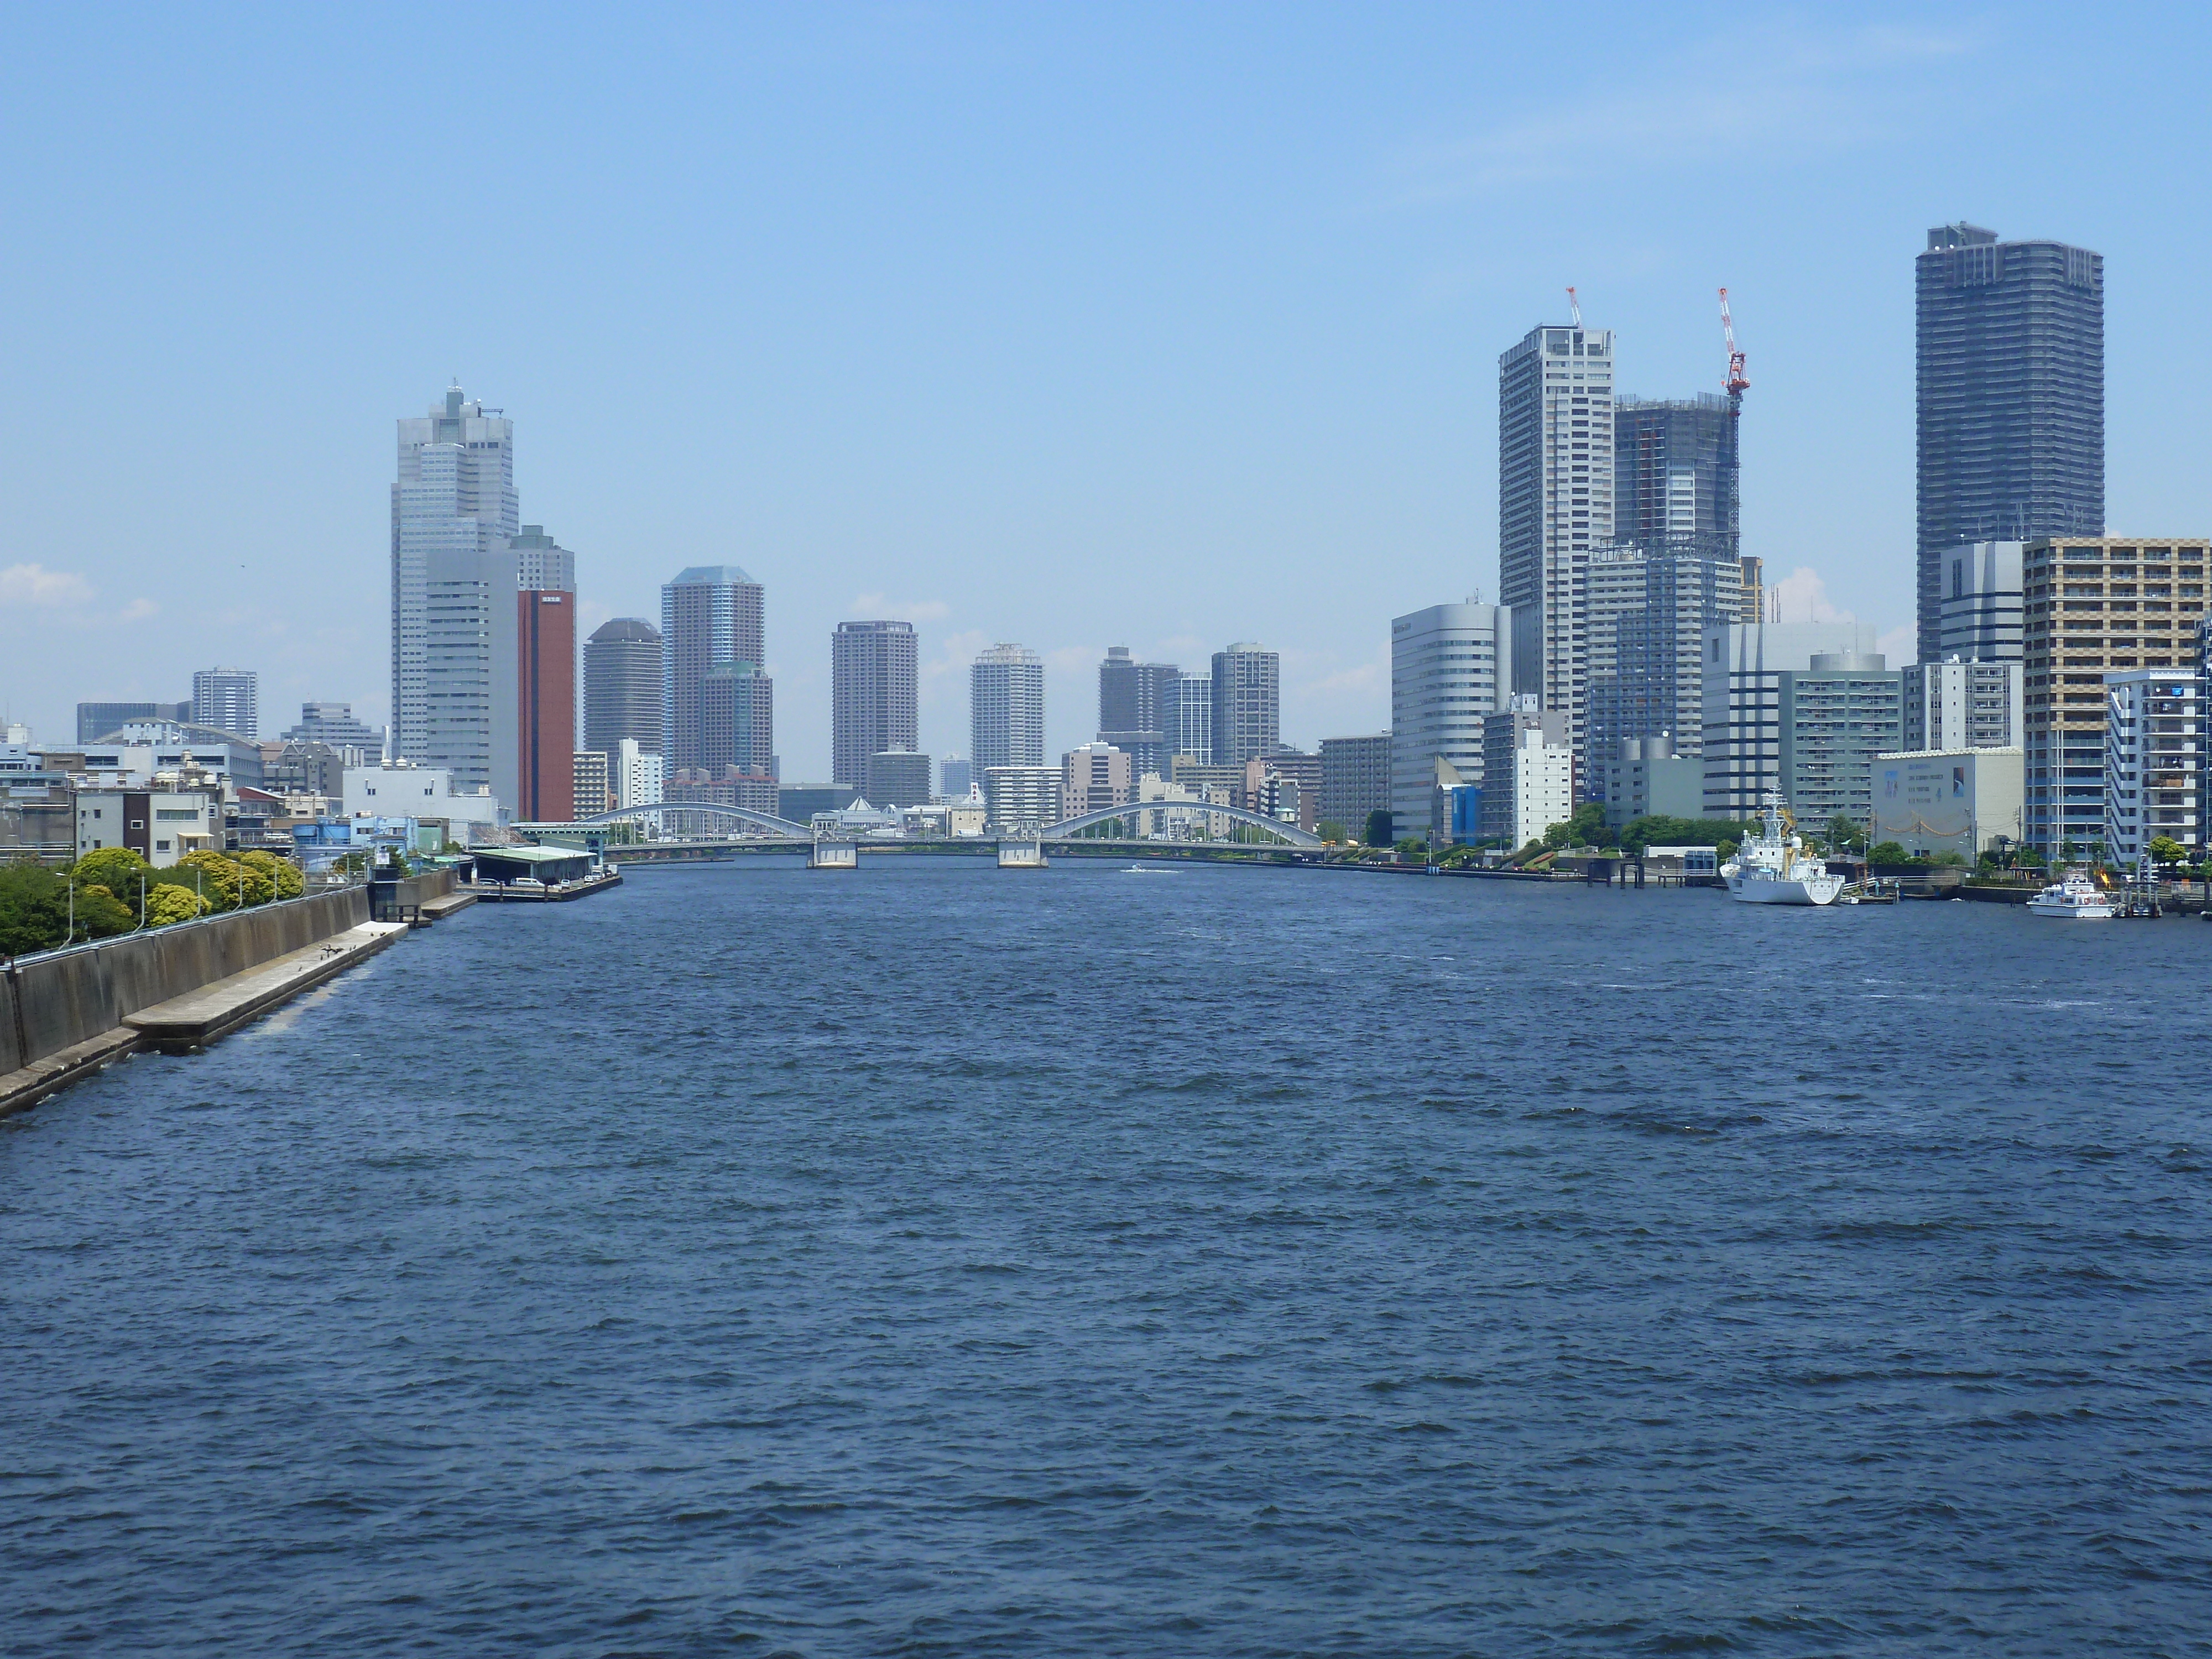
{"points": [[34, 907], [117, 869], [1332, 832], [1888, 852], [1845, 835], [1378, 828], [2165, 850], [167, 903], [101, 915], [221, 882], [1413, 847], [283, 875]]}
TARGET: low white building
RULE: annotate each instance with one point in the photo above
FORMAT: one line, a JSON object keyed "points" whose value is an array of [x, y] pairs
{"points": [[1947, 801], [422, 793]]}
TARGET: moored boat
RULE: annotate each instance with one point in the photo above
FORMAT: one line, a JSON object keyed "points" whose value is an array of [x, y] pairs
{"points": [[2074, 897], [1776, 867]]}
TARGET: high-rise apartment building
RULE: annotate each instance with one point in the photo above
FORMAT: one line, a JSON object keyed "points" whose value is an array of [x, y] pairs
{"points": [[1556, 478], [1006, 708], [622, 672], [875, 704], [1451, 667], [1743, 665], [545, 682], [453, 512], [1644, 613], [737, 720], [955, 775], [228, 699], [1977, 617], [1675, 474], [2093, 606], [589, 783], [896, 777], [1187, 718], [2011, 399], [1248, 704], [1355, 780], [637, 775], [710, 615], [2153, 760], [1133, 702], [1834, 717]]}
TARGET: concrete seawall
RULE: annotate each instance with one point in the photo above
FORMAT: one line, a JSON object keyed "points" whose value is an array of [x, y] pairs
{"points": [[72, 1006]]}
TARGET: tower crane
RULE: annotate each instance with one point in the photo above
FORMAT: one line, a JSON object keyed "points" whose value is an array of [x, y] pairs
{"points": [[1575, 306], [1736, 382]]}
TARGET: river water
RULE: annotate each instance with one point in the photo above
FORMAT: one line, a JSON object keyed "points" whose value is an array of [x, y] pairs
{"points": [[938, 1260]]}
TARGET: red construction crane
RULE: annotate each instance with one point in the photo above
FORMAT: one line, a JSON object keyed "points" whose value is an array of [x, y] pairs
{"points": [[1736, 382], [1575, 306]]}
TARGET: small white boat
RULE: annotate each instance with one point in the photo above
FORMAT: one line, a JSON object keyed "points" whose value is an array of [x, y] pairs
{"points": [[1143, 870], [2074, 897], [1775, 867]]}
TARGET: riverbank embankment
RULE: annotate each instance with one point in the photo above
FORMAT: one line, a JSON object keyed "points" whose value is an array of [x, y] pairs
{"points": [[66, 1014]]}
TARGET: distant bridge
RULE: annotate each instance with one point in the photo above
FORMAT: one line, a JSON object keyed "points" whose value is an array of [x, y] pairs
{"points": [[768, 821], [1065, 830], [1290, 832]]}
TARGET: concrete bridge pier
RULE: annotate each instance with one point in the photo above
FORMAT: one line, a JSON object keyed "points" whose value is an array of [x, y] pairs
{"points": [[1021, 853], [834, 855]]}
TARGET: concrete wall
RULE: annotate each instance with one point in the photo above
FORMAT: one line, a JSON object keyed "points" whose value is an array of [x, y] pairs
{"points": [[48, 1002]]}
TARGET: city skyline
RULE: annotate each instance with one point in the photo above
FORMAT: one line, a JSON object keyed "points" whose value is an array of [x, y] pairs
{"points": [[1149, 437]]}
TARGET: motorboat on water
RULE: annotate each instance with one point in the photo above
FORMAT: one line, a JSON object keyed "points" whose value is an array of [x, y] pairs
{"points": [[1776, 867], [2074, 897]]}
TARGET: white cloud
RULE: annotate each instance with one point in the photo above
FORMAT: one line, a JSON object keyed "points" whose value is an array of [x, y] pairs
{"points": [[1801, 596], [34, 584], [1787, 90], [1900, 645], [876, 607], [137, 611]]}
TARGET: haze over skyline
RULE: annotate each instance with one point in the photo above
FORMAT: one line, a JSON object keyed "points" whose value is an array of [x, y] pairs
{"points": [[1146, 327]]}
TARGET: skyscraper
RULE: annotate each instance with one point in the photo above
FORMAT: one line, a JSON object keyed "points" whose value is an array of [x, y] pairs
{"points": [[2011, 397], [1186, 717], [470, 704], [545, 707], [1006, 708], [1674, 476], [1133, 699], [1555, 500], [874, 696], [228, 699], [710, 615], [1247, 705], [454, 507], [737, 720], [1644, 614], [622, 686]]}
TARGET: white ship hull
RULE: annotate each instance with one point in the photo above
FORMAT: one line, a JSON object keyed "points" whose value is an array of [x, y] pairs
{"points": [[1754, 889], [2065, 912]]}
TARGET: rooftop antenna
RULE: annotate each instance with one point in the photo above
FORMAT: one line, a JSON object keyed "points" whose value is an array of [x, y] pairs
{"points": [[1575, 306]]}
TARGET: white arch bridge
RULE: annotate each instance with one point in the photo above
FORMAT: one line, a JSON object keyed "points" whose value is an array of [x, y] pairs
{"points": [[1291, 834]]}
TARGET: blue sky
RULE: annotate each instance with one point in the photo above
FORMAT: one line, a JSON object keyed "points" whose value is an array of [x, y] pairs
{"points": [[1151, 325]]}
